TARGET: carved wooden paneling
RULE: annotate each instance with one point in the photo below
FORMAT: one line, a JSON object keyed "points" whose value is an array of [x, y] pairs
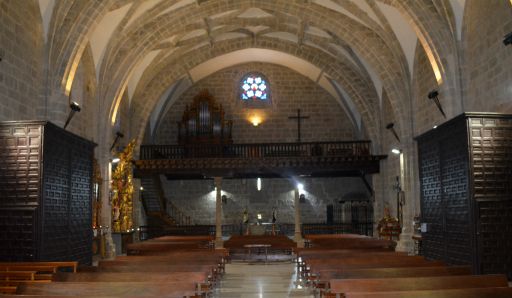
{"points": [[491, 149], [17, 233], [20, 150], [45, 193], [454, 190], [495, 236], [444, 185], [466, 191], [431, 203]]}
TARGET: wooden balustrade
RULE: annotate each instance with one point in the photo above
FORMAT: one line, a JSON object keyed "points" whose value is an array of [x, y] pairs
{"points": [[267, 150]]}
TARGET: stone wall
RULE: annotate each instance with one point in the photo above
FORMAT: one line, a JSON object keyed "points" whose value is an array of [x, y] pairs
{"points": [[487, 71], [389, 167], [426, 113], [290, 91], [196, 198], [83, 92], [21, 52]]}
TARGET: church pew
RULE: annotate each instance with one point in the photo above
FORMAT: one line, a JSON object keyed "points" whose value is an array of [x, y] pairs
{"points": [[321, 279], [155, 268], [15, 283], [203, 239], [125, 289], [325, 251], [338, 265], [343, 286], [8, 290], [207, 255], [393, 272], [213, 260], [303, 259], [39, 269], [498, 292], [17, 275], [212, 271], [199, 277], [63, 264], [333, 236], [351, 243], [349, 253], [143, 248], [361, 259]]}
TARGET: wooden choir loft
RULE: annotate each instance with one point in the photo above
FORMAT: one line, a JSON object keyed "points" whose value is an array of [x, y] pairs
{"points": [[205, 149]]}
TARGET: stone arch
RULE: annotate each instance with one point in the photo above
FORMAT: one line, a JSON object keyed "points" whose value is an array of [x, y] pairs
{"points": [[159, 83], [372, 50], [440, 46]]}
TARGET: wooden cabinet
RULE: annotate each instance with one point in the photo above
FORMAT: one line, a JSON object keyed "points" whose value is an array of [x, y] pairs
{"points": [[465, 170], [45, 193]]}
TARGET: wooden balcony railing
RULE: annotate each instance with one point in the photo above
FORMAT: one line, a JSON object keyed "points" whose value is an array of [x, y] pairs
{"points": [[267, 150]]}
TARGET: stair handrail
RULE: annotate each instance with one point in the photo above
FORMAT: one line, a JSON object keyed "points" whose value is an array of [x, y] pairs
{"points": [[179, 217], [177, 214]]}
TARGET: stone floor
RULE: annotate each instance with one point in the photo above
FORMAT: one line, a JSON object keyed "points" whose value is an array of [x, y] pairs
{"points": [[274, 279]]}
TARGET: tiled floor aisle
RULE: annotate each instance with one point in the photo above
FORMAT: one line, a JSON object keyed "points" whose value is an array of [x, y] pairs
{"points": [[273, 280]]}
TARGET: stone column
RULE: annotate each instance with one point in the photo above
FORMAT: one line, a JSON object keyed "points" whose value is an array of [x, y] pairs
{"points": [[106, 216], [298, 233], [408, 178], [218, 213]]}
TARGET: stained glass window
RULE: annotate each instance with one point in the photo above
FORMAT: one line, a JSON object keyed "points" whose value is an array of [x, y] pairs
{"points": [[254, 87]]}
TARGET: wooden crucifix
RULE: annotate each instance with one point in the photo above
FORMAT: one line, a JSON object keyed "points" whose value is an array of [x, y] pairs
{"points": [[299, 118]]}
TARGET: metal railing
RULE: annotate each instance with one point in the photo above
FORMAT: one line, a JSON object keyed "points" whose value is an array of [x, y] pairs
{"points": [[288, 229], [342, 148]]}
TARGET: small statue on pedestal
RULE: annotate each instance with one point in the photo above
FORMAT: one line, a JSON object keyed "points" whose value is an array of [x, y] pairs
{"points": [[274, 219], [245, 221]]}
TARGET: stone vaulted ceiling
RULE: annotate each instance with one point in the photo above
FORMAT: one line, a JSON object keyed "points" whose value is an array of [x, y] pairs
{"points": [[149, 51]]}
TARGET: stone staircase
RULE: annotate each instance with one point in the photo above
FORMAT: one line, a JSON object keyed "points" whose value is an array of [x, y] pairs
{"points": [[155, 205]]}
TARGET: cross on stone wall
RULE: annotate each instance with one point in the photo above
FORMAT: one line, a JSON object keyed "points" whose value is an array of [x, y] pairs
{"points": [[299, 118]]}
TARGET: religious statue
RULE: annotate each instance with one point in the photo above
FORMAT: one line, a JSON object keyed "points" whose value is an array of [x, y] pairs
{"points": [[400, 201], [245, 221], [122, 190], [274, 219], [388, 226], [245, 216], [96, 195]]}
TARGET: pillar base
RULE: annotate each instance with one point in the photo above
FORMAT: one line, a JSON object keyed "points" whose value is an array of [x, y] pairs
{"points": [[405, 244], [219, 243], [299, 240], [110, 247]]}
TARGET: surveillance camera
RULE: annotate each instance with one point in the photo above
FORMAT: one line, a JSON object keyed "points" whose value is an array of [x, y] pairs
{"points": [[508, 39]]}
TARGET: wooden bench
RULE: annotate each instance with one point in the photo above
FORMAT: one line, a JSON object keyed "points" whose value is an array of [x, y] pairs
{"points": [[130, 267], [362, 259], [321, 279], [18, 275], [351, 243], [390, 263], [62, 264], [121, 289], [198, 277], [8, 289], [451, 293], [343, 286], [394, 272], [182, 238]]}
